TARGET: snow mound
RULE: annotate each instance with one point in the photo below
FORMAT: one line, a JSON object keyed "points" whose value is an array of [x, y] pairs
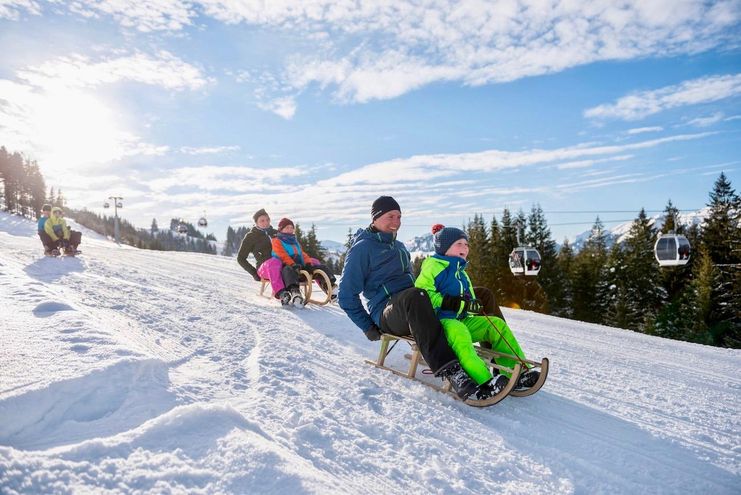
{"points": [[101, 403]]}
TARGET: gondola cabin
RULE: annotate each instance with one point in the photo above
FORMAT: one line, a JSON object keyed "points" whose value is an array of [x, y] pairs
{"points": [[524, 261], [672, 250], [182, 229]]}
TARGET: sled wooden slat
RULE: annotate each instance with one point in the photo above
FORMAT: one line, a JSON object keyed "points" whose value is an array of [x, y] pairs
{"points": [[487, 354], [306, 284]]}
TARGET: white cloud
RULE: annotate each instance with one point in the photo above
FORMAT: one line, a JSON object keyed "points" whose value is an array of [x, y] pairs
{"points": [[162, 69], [226, 179], [152, 15], [12, 9], [707, 121], [284, 107], [644, 103], [642, 130], [208, 150], [362, 50], [432, 167], [589, 163], [53, 112]]}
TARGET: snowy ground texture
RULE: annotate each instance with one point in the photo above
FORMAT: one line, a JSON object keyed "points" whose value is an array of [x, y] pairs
{"points": [[126, 371]]}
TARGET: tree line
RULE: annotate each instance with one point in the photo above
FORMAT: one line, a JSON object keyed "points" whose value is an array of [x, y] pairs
{"points": [[23, 192], [623, 285]]}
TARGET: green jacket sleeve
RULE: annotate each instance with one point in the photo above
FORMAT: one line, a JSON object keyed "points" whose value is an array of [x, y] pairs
{"points": [[426, 281]]}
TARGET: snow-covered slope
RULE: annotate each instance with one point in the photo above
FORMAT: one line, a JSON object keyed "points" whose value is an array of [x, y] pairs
{"points": [[126, 370]]}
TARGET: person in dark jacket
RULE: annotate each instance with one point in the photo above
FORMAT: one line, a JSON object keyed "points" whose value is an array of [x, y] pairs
{"points": [[48, 243], [379, 267], [257, 242]]}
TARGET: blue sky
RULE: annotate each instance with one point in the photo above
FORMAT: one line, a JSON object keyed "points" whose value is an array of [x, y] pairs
{"points": [[312, 109]]}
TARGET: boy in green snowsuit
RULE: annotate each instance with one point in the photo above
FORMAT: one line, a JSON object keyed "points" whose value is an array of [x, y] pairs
{"points": [[444, 278]]}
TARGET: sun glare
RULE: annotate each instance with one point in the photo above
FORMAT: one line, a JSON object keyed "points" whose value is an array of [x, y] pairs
{"points": [[75, 130]]}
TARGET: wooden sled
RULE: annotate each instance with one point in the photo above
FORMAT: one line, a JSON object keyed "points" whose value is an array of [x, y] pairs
{"points": [[306, 284], [416, 358], [488, 354]]}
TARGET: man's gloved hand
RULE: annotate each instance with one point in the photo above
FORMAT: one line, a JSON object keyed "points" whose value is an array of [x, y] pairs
{"points": [[256, 277], [373, 333], [298, 267]]}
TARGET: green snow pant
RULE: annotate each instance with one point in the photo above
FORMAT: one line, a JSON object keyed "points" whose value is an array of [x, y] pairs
{"points": [[461, 335]]}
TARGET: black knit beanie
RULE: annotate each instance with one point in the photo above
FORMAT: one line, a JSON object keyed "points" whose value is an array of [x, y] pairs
{"points": [[444, 237], [382, 205]]}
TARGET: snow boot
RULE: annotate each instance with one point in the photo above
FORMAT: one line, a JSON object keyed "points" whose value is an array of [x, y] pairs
{"points": [[296, 298], [285, 297], [492, 387], [462, 384], [528, 379]]}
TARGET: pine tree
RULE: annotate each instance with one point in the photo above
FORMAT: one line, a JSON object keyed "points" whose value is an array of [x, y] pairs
{"points": [[721, 240], [585, 275], [644, 291], [549, 278], [565, 261], [478, 243], [311, 245]]}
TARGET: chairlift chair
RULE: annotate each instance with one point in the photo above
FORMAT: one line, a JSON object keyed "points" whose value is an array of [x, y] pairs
{"points": [[672, 250], [524, 260]]}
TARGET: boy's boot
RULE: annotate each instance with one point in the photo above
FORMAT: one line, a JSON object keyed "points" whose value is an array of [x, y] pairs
{"points": [[285, 297], [296, 298], [528, 379], [462, 384], [492, 387]]}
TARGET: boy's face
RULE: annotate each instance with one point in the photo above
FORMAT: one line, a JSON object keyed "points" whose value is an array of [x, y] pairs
{"points": [[288, 229], [458, 248], [263, 221]]}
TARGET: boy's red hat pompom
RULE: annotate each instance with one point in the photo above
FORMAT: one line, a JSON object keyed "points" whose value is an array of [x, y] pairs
{"points": [[437, 228]]}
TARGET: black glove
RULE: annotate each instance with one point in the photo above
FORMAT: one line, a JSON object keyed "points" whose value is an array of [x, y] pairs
{"points": [[453, 303], [256, 277], [373, 333], [298, 267], [473, 306]]}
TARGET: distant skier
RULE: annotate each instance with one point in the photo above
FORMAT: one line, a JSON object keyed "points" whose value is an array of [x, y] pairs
{"points": [[62, 236], [257, 242], [379, 267], [46, 240], [444, 278], [289, 258]]}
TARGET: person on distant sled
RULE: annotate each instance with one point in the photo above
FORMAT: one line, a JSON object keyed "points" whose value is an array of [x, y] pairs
{"points": [[63, 239], [48, 243], [451, 293], [257, 242], [287, 262]]}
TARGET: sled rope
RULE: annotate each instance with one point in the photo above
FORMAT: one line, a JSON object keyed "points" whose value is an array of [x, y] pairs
{"points": [[514, 354]]}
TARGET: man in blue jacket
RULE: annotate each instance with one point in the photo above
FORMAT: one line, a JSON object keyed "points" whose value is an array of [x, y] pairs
{"points": [[379, 267]]}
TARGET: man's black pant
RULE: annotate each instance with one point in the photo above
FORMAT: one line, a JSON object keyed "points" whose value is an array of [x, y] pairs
{"points": [[410, 312]]}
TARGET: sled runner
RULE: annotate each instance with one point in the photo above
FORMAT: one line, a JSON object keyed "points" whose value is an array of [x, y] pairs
{"points": [[306, 284], [486, 354]]}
